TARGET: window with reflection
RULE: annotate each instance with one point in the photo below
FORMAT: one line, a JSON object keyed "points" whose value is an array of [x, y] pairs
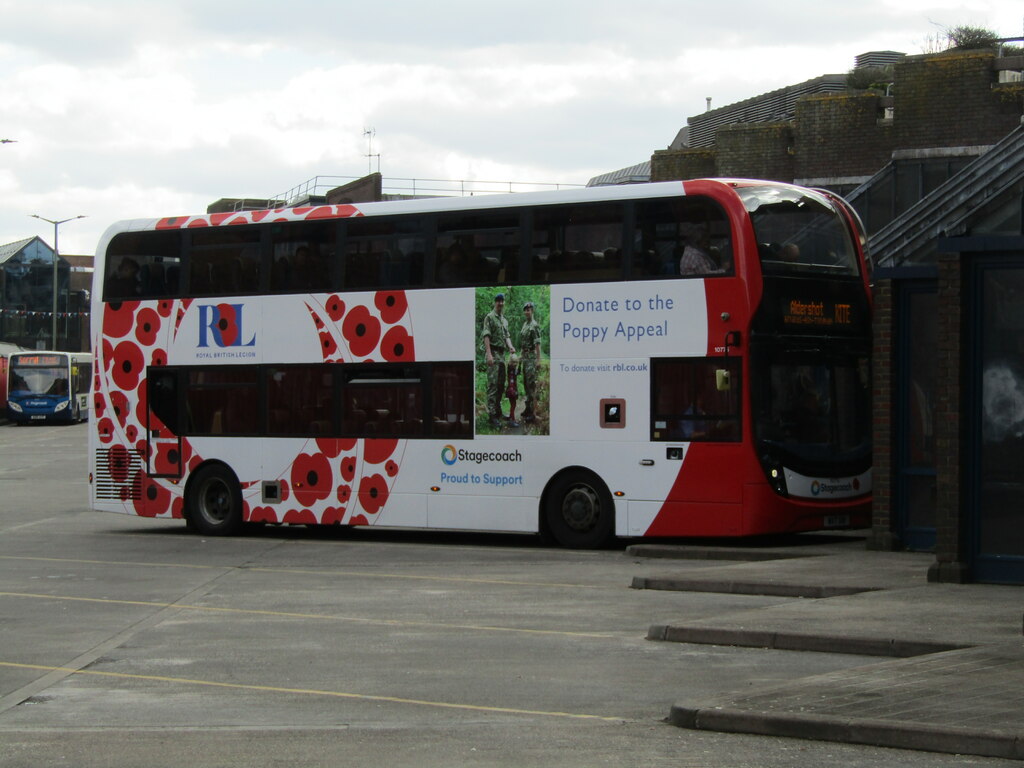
{"points": [[695, 399], [384, 252], [381, 401], [300, 400], [143, 265], [224, 261], [302, 255], [222, 401], [681, 236], [799, 231], [573, 243], [478, 248], [453, 399]]}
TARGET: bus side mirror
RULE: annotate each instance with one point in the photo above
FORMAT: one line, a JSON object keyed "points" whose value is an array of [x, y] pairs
{"points": [[723, 381]]}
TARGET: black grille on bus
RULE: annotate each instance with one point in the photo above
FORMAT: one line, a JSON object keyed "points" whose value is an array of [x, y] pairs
{"points": [[119, 474]]}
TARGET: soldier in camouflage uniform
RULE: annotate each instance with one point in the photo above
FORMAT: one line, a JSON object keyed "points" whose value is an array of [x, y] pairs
{"points": [[529, 345], [497, 344]]}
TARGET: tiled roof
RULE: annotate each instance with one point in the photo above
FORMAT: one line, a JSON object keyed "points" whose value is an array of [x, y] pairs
{"points": [[10, 249]]}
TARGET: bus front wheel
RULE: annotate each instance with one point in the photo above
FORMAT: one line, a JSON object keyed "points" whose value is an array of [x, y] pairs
{"points": [[215, 501], [578, 511]]}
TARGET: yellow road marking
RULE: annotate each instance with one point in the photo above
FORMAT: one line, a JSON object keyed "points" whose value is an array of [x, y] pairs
{"points": [[83, 561], [309, 572], [295, 615], [314, 692]]}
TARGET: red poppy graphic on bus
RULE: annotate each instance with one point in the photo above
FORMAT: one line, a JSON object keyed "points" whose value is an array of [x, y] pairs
{"points": [[373, 493], [335, 308], [392, 305], [362, 331], [348, 333], [263, 515], [333, 516], [321, 480], [127, 366], [397, 346], [118, 318], [312, 478], [119, 403], [328, 346], [146, 325], [332, 447]]}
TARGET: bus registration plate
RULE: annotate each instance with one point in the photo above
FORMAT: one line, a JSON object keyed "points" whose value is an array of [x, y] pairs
{"points": [[837, 521]]}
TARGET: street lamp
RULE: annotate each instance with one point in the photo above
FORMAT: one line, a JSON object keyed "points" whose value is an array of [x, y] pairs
{"points": [[56, 256]]}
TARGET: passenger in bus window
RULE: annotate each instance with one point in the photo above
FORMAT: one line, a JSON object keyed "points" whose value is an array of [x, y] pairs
{"points": [[303, 275], [696, 258], [125, 281], [692, 426], [452, 267]]}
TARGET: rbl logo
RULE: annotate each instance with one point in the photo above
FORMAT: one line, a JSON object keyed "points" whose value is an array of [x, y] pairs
{"points": [[222, 323]]}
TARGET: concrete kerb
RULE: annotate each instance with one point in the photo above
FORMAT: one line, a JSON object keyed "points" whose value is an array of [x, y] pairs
{"points": [[879, 733], [792, 641], [795, 717], [746, 588], [678, 552]]}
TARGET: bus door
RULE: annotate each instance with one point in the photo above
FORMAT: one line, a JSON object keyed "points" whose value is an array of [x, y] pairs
{"points": [[164, 454], [80, 380]]}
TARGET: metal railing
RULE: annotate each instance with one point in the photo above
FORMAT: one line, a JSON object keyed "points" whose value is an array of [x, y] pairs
{"points": [[321, 185], [946, 209]]}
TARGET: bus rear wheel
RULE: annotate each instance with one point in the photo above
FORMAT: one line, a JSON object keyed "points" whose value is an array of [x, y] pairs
{"points": [[215, 501], [578, 511]]}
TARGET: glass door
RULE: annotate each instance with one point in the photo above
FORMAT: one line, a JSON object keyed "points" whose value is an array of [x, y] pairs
{"points": [[917, 354], [996, 414]]}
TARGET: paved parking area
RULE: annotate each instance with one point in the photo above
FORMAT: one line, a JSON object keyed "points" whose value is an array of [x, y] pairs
{"points": [[126, 641]]}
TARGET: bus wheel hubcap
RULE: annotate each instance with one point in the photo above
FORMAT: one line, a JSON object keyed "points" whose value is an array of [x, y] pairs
{"points": [[581, 508], [216, 502]]}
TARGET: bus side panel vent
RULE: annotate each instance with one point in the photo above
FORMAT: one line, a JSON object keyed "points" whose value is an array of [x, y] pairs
{"points": [[119, 474]]}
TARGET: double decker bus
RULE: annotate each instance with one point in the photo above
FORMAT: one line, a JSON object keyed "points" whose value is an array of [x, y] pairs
{"points": [[670, 359], [48, 387]]}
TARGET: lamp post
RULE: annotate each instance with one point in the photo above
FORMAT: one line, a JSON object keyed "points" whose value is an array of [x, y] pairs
{"points": [[56, 257]]}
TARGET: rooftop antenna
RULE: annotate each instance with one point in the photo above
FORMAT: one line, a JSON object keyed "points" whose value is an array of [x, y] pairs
{"points": [[369, 133]]}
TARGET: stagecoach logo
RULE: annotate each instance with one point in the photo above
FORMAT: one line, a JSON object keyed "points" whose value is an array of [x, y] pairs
{"points": [[448, 455], [818, 487], [222, 325]]}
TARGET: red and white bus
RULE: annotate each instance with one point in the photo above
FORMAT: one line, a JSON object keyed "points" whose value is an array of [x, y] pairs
{"points": [[672, 359]]}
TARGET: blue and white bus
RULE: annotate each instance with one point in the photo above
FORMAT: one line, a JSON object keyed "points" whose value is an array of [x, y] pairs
{"points": [[48, 386]]}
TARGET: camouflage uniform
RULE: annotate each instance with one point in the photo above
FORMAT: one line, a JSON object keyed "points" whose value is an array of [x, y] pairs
{"points": [[529, 339], [496, 328]]}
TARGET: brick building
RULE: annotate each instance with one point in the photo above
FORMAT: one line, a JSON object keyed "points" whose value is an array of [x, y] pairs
{"points": [[934, 162]]}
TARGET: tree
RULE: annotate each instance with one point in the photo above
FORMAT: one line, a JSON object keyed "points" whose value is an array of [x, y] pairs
{"points": [[965, 37]]}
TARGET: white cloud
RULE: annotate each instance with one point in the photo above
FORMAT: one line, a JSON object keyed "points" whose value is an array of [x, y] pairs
{"points": [[126, 108]]}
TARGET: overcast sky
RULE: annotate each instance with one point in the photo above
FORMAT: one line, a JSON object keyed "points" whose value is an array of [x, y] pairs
{"points": [[140, 108]]}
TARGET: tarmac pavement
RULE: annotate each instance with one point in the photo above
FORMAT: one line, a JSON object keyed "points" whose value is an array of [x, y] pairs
{"points": [[953, 678]]}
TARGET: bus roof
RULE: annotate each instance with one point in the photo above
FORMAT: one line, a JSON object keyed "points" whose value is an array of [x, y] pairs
{"points": [[428, 205]]}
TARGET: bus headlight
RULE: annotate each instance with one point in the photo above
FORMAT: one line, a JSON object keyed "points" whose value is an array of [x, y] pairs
{"points": [[14, 406], [61, 406], [776, 475]]}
